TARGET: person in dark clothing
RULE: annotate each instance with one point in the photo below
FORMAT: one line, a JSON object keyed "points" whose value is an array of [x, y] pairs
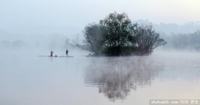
{"points": [[67, 52], [51, 54]]}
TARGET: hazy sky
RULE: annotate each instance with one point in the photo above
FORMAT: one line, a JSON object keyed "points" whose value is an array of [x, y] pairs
{"points": [[70, 16]]}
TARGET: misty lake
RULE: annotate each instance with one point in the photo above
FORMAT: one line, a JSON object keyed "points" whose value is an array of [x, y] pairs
{"points": [[27, 79]]}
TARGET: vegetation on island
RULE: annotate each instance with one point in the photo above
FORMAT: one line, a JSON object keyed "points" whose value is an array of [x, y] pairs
{"points": [[117, 35]]}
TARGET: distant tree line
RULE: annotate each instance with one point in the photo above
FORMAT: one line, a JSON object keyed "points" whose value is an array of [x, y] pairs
{"points": [[184, 41], [116, 35]]}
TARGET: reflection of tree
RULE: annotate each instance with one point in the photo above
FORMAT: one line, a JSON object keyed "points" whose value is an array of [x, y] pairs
{"points": [[115, 77]]}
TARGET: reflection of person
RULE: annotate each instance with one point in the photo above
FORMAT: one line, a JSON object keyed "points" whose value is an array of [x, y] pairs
{"points": [[51, 54], [67, 52]]}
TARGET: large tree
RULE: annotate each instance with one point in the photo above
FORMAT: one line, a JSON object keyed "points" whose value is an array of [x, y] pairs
{"points": [[116, 35]]}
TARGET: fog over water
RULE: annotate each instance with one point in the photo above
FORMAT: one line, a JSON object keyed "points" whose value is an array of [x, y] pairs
{"points": [[28, 79], [29, 30]]}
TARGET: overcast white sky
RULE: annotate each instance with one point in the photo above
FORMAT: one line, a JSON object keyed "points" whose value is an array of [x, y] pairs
{"points": [[70, 16]]}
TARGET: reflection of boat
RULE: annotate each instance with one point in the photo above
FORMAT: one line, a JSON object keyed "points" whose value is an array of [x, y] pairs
{"points": [[115, 77]]}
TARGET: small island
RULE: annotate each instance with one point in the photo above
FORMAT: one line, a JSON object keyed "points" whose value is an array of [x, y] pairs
{"points": [[117, 35]]}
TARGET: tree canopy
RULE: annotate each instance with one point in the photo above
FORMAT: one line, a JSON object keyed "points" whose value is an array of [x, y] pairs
{"points": [[116, 35]]}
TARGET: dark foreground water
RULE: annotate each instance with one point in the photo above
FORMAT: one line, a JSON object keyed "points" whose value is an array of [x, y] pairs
{"points": [[27, 79]]}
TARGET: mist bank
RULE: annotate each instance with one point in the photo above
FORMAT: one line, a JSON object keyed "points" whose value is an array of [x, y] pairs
{"points": [[173, 28], [56, 42], [51, 41], [187, 41], [42, 45], [178, 37]]}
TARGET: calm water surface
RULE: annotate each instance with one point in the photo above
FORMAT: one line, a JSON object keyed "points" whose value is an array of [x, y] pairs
{"points": [[27, 79]]}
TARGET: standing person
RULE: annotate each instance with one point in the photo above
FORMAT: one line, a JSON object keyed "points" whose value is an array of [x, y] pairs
{"points": [[51, 54], [67, 52]]}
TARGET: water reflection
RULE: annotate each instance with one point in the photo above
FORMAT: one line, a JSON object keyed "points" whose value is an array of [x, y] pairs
{"points": [[116, 77]]}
